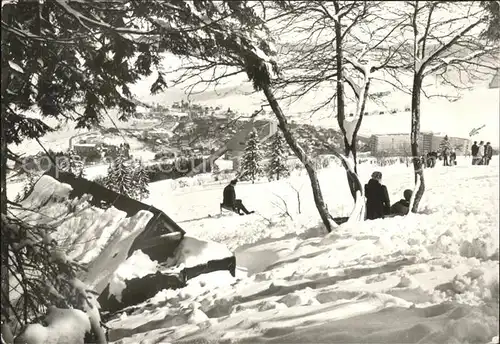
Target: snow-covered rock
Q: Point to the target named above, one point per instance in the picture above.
(136, 266)
(63, 326)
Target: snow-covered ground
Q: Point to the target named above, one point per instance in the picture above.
(425, 278)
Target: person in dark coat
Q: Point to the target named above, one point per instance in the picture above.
(431, 159)
(377, 198)
(445, 153)
(453, 158)
(480, 154)
(230, 201)
(473, 151)
(488, 153)
(402, 207)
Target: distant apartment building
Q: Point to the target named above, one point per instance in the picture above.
(85, 148)
(398, 144)
(236, 146)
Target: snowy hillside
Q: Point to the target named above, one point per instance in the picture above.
(428, 278)
(440, 115)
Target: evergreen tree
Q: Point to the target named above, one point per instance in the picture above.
(445, 145)
(277, 165)
(127, 178)
(140, 181)
(251, 161)
(120, 176)
(72, 163)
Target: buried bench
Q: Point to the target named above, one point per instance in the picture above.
(192, 257)
(180, 257)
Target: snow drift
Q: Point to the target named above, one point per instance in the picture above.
(102, 229)
(430, 277)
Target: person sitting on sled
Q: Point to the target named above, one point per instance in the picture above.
(402, 207)
(230, 201)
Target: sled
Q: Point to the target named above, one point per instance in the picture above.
(227, 208)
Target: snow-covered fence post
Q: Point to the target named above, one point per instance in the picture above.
(297, 193)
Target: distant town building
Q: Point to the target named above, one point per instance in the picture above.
(398, 144)
(84, 148)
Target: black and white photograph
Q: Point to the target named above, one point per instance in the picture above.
(261, 171)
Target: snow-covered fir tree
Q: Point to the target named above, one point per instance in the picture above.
(120, 176)
(128, 178)
(277, 167)
(445, 145)
(252, 158)
(71, 162)
(140, 181)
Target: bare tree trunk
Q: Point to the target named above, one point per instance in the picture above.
(341, 101)
(415, 133)
(299, 152)
(354, 184)
(349, 148)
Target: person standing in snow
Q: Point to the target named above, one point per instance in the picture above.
(402, 207)
(230, 201)
(377, 198)
(474, 149)
(444, 154)
(453, 158)
(445, 148)
(480, 153)
(488, 153)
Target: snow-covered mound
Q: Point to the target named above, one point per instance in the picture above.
(63, 326)
(136, 266)
(193, 251)
(430, 277)
(83, 230)
(102, 238)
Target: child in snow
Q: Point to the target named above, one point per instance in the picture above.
(402, 207)
(377, 198)
(230, 201)
(453, 158)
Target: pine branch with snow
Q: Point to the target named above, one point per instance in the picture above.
(42, 274)
(252, 158)
(129, 178)
(277, 167)
(28, 185)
